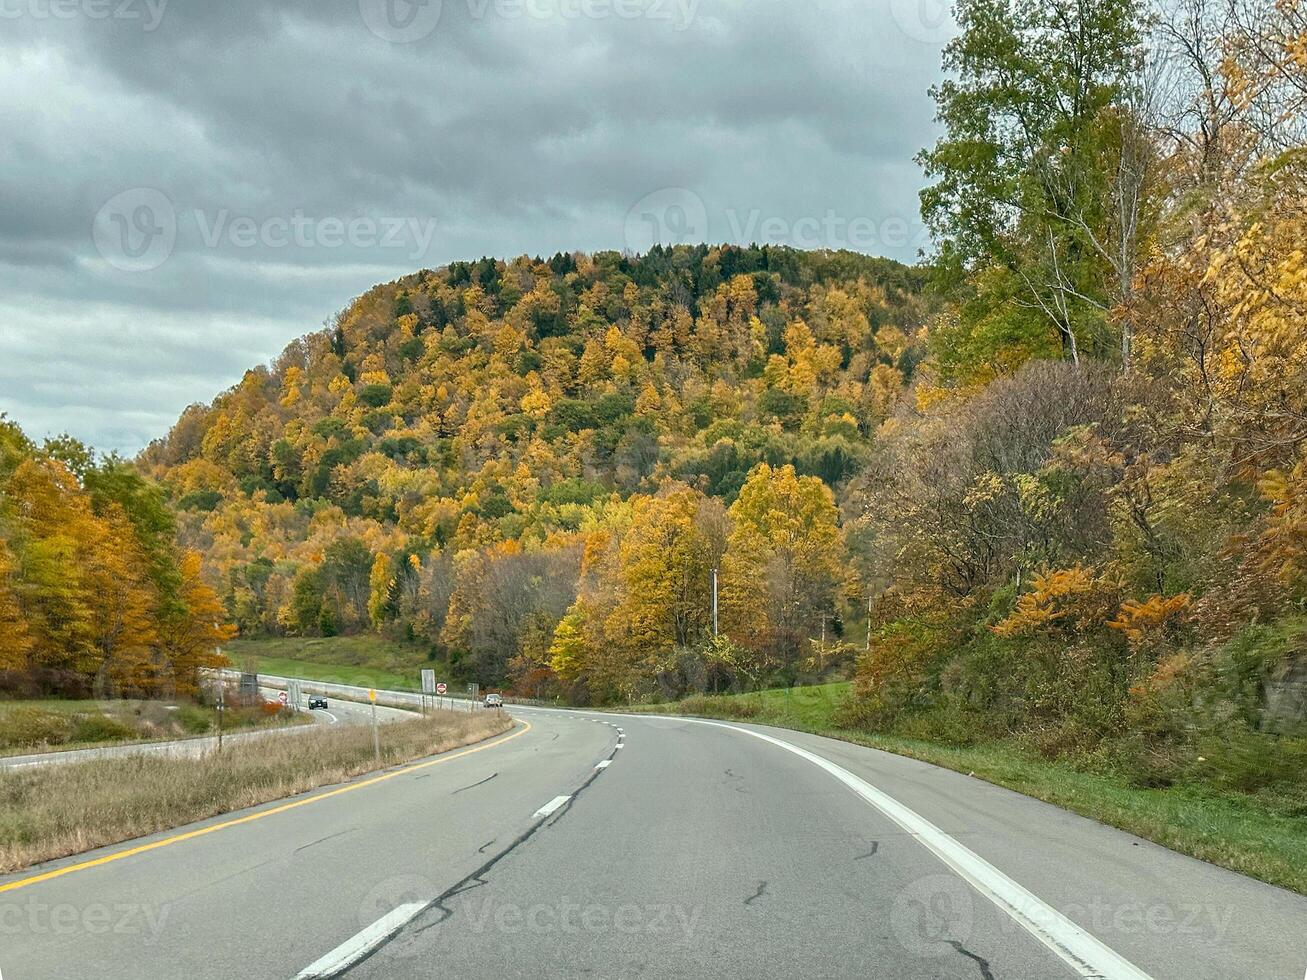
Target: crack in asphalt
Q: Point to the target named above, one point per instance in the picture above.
(340, 833)
(762, 888)
(474, 880)
(475, 785)
(980, 961)
(482, 848)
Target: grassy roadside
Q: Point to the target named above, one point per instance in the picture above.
(363, 661)
(1235, 831)
(50, 812)
(28, 727)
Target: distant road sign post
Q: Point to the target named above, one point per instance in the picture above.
(376, 738)
(428, 686)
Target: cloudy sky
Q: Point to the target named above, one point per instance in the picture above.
(187, 185)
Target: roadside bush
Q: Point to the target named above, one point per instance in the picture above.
(194, 720)
(99, 728)
(30, 727)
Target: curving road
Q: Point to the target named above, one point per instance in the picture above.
(340, 712)
(587, 845)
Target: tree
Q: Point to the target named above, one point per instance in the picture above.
(15, 643)
(666, 559)
(193, 642)
(783, 562)
(381, 584)
(1039, 175)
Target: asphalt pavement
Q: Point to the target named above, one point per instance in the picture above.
(593, 845)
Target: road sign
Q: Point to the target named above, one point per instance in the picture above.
(372, 696)
(441, 689)
(428, 681)
(283, 697)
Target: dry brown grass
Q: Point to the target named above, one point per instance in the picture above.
(50, 812)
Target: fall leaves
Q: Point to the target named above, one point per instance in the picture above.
(94, 595)
(642, 621)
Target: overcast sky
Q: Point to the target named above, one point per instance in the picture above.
(187, 185)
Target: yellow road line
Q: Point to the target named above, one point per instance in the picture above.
(250, 818)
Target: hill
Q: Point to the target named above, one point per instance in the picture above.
(435, 462)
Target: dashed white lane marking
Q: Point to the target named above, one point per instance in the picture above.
(352, 950)
(605, 764)
(550, 807)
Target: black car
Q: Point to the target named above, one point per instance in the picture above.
(318, 703)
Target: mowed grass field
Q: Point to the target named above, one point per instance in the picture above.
(1236, 831)
(363, 661)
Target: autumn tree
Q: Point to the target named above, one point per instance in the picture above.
(782, 566)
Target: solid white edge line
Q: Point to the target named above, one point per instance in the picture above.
(550, 807)
(605, 764)
(354, 949)
(1082, 951)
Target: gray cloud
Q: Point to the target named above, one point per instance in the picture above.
(509, 126)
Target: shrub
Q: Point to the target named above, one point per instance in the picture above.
(23, 727)
(100, 728)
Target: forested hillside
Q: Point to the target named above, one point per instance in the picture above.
(474, 454)
(1057, 479)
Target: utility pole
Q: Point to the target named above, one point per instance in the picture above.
(222, 703)
(714, 603)
(376, 738)
(869, 624)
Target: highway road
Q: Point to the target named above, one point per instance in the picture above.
(590, 845)
(339, 712)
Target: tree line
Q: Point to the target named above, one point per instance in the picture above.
(95, 596)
